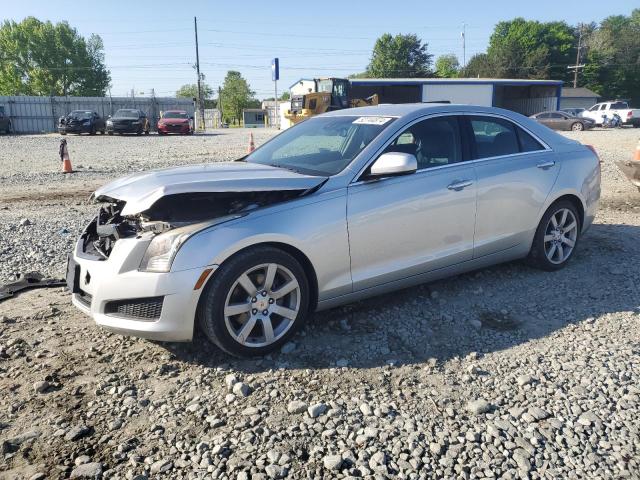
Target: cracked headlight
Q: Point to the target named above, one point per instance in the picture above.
(163, 248)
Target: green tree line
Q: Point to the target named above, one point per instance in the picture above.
(42, 58)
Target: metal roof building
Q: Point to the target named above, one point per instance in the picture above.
(578, 98)
(520, 95)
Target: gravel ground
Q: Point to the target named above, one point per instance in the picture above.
(507, 372)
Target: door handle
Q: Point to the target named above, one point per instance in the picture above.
(457, 186)
(545, 165)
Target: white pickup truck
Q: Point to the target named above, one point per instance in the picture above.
(628, 115)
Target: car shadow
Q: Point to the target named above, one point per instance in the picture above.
(483, 311)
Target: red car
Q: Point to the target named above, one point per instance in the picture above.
(175, 121)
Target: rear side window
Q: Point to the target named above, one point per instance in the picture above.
(619, 106)
(496, 137)
(527, 142)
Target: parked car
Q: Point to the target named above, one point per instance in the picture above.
(340, 207)
(175, 121)
(629, 116)
(81, 121)
(5, 121)
(128, 120)
(563, 121)
(574, 112)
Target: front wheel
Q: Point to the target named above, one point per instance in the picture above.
(556, 237)
(255, 302)
(577, 127)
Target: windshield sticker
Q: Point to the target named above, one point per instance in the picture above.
(371, 120)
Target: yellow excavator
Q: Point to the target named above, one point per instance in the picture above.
(327, 94)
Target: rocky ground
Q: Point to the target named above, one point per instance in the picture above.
(507, 372)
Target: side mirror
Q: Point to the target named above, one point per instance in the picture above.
(394, 163)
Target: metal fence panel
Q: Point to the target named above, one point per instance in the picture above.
(31, 114)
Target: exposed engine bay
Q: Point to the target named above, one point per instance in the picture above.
(170, 212)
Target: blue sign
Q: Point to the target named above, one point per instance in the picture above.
(275, 69)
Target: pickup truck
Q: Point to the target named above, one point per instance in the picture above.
(628, 115)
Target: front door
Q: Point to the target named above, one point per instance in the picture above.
(407, 225)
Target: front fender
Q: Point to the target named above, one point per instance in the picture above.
(317, 228)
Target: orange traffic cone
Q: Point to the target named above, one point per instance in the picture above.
(252, 145)
(636, 156)
(64, 156)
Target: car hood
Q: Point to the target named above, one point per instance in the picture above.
(141, 190)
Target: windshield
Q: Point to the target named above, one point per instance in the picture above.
(322, 145)
(175, 115)
(80, 114)
(126, 114)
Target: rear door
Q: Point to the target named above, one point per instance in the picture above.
(515, 172)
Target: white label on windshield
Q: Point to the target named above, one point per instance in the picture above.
(372, 120)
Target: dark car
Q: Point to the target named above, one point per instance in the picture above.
(563, 121)
(81, 121)
(175, 121)
(5, 122)
(128, 120)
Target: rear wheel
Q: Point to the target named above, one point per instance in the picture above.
(255, 302)
(557, 237)
(577, 127)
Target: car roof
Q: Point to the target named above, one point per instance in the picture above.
(417, 109)
(407, 112)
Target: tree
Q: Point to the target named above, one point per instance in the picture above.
(447, 66)
(612, 60)
(479, 66)
(190, 90)
(285, 96)
(40, 58)
(522, 48)
(399, 56)
(235, 96)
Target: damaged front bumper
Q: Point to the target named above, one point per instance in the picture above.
(631, 168)
(122, 299)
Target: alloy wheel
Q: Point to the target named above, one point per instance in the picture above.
(560, 236)
(577, 127)
(262, 305)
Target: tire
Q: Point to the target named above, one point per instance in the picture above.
(63, 133)
(224, 287)
(577, 127)
(102, 132)
(543, 255)
(110, 133)
(92, 131)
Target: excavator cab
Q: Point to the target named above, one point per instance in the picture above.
(339, 90)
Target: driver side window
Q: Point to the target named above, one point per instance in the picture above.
(434, 142)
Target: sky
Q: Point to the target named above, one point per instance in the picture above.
(150, 44)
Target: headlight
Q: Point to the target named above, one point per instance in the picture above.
(109, 122)
(135, 123)
(163, 248)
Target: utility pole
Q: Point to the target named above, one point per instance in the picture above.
(464, 45)
(200, 102)
(577, 66)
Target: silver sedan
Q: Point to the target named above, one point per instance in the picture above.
(340, 207)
